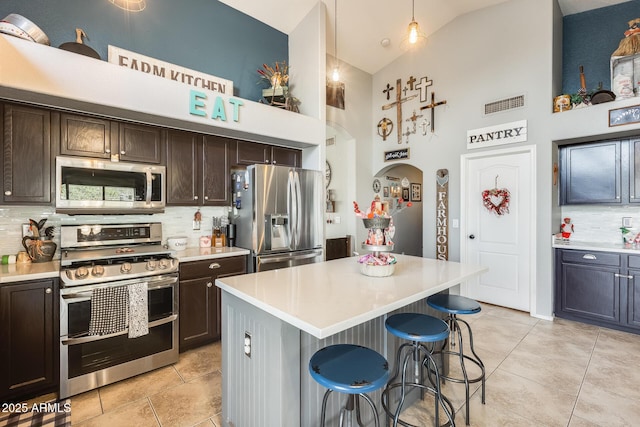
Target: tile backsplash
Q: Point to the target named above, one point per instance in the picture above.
(593, 223)
(176, 221)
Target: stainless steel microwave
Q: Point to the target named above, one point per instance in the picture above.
(95, 186)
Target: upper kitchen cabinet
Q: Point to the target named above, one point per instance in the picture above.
(198, 169)
(591, 173)
(26, 168)
(97, 137)
(634, 170)
(249, 153)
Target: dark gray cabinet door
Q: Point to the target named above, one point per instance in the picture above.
(182, 173)
(633, 299)
(139, 143)
(590, 291)
(216, 175)
(85, 136)
(634, 171)
(26, 167)
(591, 173)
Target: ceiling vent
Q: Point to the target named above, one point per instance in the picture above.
(331, 141)
(504, 105)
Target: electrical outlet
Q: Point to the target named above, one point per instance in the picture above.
(247, 344)
(626, 221)
(26, 231)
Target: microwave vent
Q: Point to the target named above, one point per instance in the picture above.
(504, 104)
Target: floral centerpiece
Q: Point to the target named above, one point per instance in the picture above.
(276, 75)
(277, 93)
(379, 221)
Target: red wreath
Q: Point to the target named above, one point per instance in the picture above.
(496, 200)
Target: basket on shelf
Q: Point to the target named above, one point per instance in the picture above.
(377, 222)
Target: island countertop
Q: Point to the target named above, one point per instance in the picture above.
(325, 298)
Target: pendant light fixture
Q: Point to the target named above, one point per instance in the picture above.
(414, 36)
(335, 75)
(130, 5)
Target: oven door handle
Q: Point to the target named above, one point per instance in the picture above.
(86, 295)
(90, 338)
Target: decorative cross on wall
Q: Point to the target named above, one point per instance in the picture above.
(388, 90)
(433, 106)
(398, 104)
(422, 87)
(411, 81)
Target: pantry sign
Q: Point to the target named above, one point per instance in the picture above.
(166, 70)
(506, 133)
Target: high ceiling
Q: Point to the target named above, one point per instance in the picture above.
(363, 24)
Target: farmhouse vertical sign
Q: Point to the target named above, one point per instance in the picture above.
(442, 214)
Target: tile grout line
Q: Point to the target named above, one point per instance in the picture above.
(155, 414)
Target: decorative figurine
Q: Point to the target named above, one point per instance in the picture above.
(566, 228)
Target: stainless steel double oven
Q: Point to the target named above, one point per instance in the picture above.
(97, 256)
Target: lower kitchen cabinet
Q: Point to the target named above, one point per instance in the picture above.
(29, 333)
(601, 288)
(200, 299)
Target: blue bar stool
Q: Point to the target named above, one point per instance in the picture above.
(349, 369)
(418, 329)
(454, 305)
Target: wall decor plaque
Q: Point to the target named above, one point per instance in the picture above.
(396, 154)
(624, 116)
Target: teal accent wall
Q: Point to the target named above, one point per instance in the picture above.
(203, 35)
(589, 39)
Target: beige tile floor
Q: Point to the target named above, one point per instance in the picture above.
(539, 373)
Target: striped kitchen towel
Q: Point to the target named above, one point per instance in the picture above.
(108, 310)
(138, 310)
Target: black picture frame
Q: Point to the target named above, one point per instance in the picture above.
(385, 191)
(416, 192)
(405, 194)
(624, 116)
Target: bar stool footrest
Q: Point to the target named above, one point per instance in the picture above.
(431, 390)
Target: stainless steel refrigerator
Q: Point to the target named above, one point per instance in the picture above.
(279, 215)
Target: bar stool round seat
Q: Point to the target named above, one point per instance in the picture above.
(453, 305)
(350, 369)
(418, 329)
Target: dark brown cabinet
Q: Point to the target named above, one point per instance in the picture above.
(29, 334)
(198, 169)
(26, 165)
(601, 288)
(249, 153)
(97, 137)
(200, 299)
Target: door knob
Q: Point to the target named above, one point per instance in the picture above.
(471, 236)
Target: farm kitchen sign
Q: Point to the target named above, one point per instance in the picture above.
(506, 133)
(155, 67)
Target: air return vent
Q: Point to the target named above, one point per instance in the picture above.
(504, 104)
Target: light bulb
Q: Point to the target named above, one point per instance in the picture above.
(413, 32)
(335, 76)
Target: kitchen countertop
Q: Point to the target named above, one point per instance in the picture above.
(594, 246)
(328, 297)
(29, 271)
(197, 254)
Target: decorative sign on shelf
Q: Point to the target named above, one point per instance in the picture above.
(624, 116)
(396, 154)
(442, 214)
(506, 133)
(166, 70)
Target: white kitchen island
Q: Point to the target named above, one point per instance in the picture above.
(286, 315)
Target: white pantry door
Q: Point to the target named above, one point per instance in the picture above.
(504, 243)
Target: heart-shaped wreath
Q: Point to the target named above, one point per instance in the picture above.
(496, 200)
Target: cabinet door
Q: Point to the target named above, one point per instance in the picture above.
(216, 176)
(286, 157)
(182, 170)
(85, 136)
(590, 291)
(139, 143)
(250, 153)
(198, 312)
(29, 335)
(634, 171)
(591, 173)
(26, 168)
(633, 299)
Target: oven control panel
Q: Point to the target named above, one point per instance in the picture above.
(89, 274)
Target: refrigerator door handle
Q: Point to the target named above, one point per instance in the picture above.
(290, 210)
(298, 201)
(274, 259)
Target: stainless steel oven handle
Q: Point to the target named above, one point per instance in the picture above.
(83, 340)
(86, 294)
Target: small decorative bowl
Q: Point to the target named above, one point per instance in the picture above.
(377, 270)
(378, 222)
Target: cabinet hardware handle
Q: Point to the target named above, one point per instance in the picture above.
(206, 197)
(623, 276)
(123, 152)
(274, 162)
(108, 150)
(48, 290)
(209, 284)
(266, 161)
(589, 256)
(195, 197)
(214, 265)
(7, 193)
